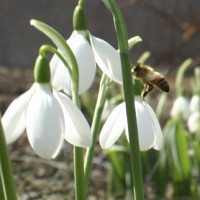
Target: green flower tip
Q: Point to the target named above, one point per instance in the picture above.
(42, 70)
(79, 19)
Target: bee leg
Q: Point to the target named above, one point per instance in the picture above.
(146, 90)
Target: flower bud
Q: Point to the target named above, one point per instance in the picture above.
(79, 19)
(42, 70)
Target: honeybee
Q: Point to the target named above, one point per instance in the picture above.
(150, 78)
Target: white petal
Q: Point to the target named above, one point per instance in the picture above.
(158, 137)
(13, 120)
(60, 77)
(107, 58)
(145, 125)
(195, 104)
(83, 53)
(77, 129)
(180, 107)
(194, 122)
(85, 59)
(113, 127)
(45, 122)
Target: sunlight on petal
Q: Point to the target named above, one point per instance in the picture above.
(77, 129)
(45, 123)
(145, 125)
(181, 107)
(13, 120)
(85, 59)
(60, 77)
(194, 122)
(158, 137)
(113, 127)
(107, 58)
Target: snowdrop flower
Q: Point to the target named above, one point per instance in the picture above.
(195, 104)
(194, 122)
(180, 107)
(88, 51)
(48, 116)
(149, 131)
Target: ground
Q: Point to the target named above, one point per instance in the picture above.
(41, 179)
(37, 178)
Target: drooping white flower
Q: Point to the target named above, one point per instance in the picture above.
(180, 107)
(49, 117)
(61, 79)
(99, 51)
(149, 131)
(194, 122)
(195, 104)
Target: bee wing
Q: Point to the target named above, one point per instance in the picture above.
(163, 71)
(152, 76)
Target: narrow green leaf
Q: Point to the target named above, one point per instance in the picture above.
(133, 41)
(183, 149)
(117, 155)
(7, 181)
(180, 76)
(56, 38)
(143, 58)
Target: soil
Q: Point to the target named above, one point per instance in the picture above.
(41, 179)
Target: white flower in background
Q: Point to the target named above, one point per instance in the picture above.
(49, 117)
(195, 104)
(149, 131)
(180, 107)
(106, 57)
(194, 122)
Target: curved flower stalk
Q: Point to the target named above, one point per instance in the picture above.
(48, 116)
(149, 131)
(88, 51)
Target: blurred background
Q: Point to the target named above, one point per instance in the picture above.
(170, 29)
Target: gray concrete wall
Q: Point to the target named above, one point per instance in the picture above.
(170, 28)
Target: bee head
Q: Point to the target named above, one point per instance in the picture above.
(135, 68)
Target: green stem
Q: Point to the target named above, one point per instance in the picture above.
(44, 48)
(80, 186)
(143, 58)
(133, 41)
(180, 76)
(129, 99)
(80, 3)
(104, 85)
(5, 170)
(61, 44)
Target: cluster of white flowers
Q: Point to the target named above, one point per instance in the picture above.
(189, 110)
(50, 116)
